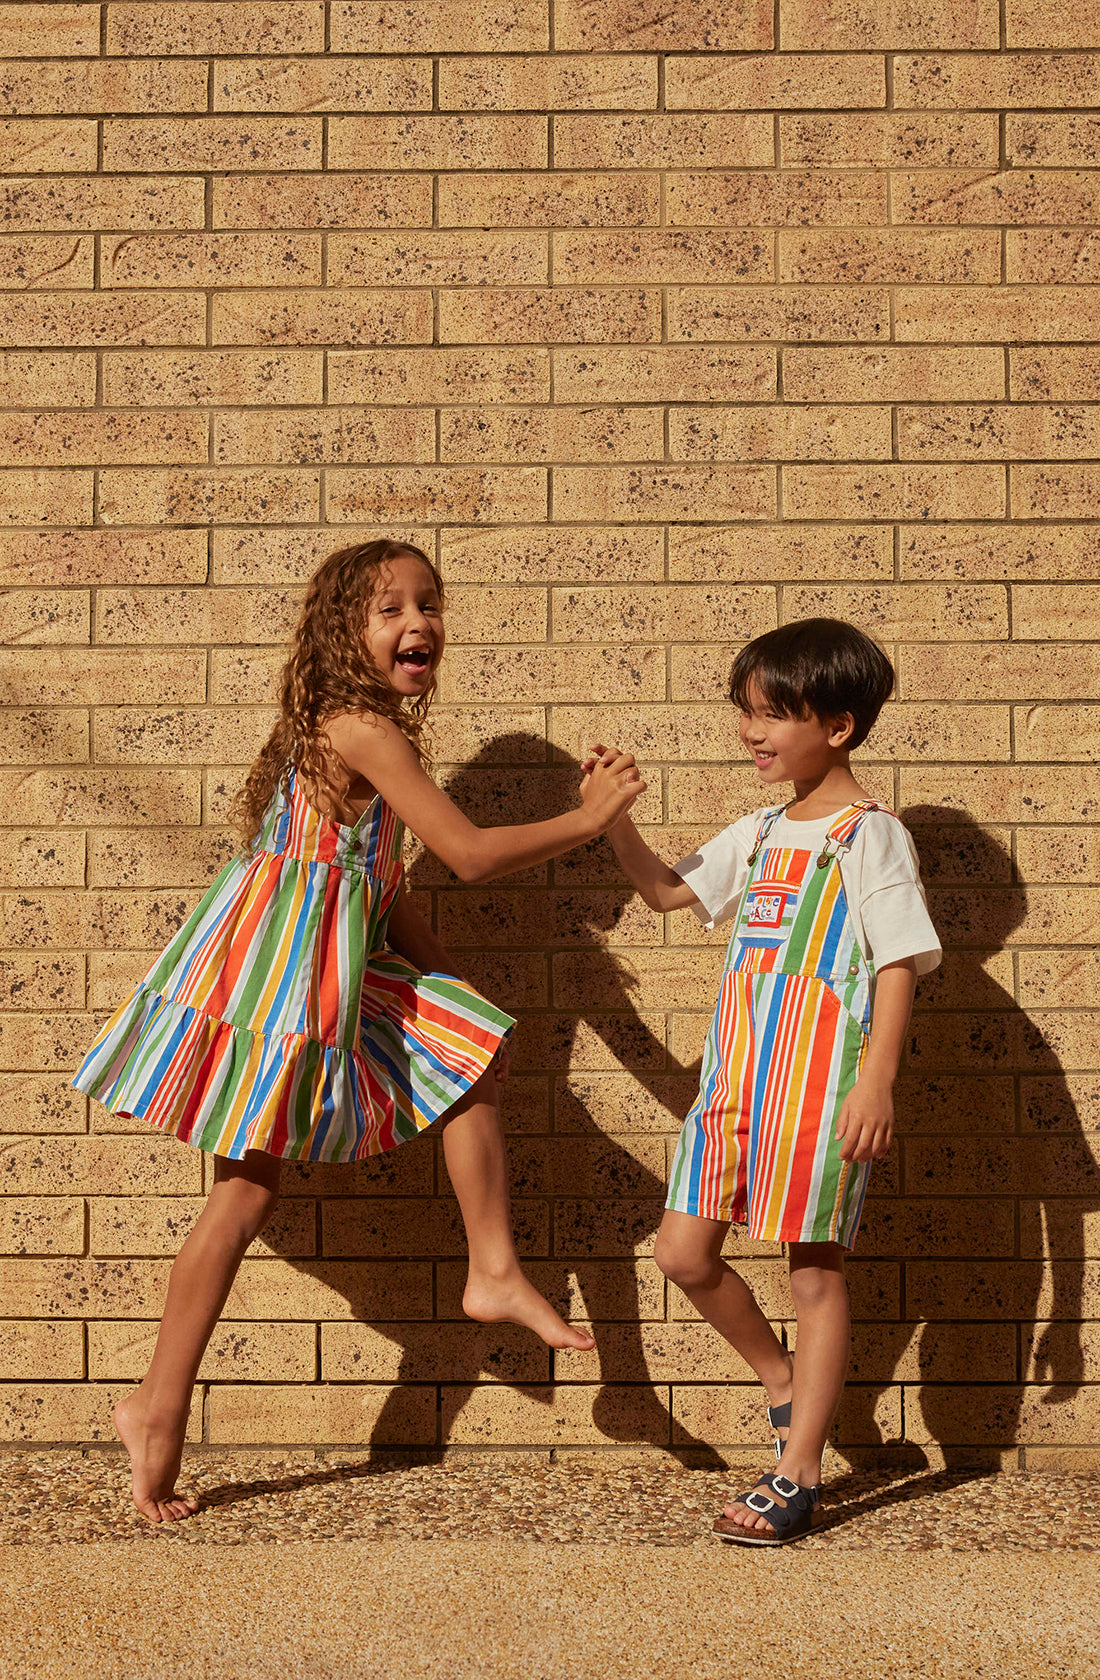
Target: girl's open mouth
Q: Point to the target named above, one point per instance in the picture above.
(414, 659)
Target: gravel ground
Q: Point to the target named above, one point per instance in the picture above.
(52, 1498)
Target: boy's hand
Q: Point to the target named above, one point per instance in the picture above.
(866, 1121)
(610, 784)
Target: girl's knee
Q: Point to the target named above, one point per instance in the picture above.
(247, 1195)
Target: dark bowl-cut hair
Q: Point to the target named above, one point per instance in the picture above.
(820, 665)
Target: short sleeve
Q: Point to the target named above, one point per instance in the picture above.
(892, 907)
(717, 872)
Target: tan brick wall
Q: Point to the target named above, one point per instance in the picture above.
(658, 324)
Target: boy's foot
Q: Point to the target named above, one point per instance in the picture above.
(514, 1300)
(778, 1397)
(740, 1513)
(155, 1449)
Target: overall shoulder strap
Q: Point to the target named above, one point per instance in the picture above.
(767, 823)
(847, 825)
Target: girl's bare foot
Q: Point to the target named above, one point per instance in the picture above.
(155, 1448)
(514, 1300)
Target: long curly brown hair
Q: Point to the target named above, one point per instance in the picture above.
(330, 672)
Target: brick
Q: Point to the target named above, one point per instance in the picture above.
(57, 380)
(1049, 256)
(1055, 374)
(41, 1352)
(547, 555)
(339, 317)
(136, 735)
(152, 1225)
(211, 259)
(998, 80)
(1006, 795)
(437, 142)
(722, 140)
(714, 25)
(317, 201)
(889, 24)
(174, 143)
(671, 373)
(427, 1228)
(50, 737)
(93, 203)
(982, 980)
(455, 258)
(41, 146)
(326, 84)
(44, 618)
(478, 614)
(93, 919)
(909, 612)
(1058, 854)
(40, 1103)
(45, 498)
(400, 1172)
(88, 1166)
(557, 315)
(1000, 671)
(779, 434)
(206, 496)
(1054, 1348)
(724, 313)
(1042, 916)
(431, 1353)
(662, 255)
(1066, 734)
(892, 256)
(944, 1353)
(998, 313)
(1065, 141)
(183, 615)
(1014, 196)
(1030, 24)
(455, 494)
(87, 676)
(550, 199)
(512, 917)
(435, 26)
(711, 796)
(136, 318)
(893, 374)
(520, 435)
(556, 675)
(775, 81)
(256, 1414)
(334, 1289)
(998, 433)
(1001, 552)
(113, 975)
(324, 435)
(27, 30)
(789, 198)
(81, 439)
(92, 557)
(204, 26)
(100, 86)
(235, 1353)
(893, 492)
(552, 1416)
(611, 1101)
(1054, 493)
(426, 376)
(272, 556)
(1004, 1289)
(654, 1353)
(891, 140)
(662, 979)
(662, 493)
(42, 1225)
(904, 733)
(548, 83)
(34, 859)
(1059, 979)
(212, 378)
(91, 798)
(69, 1412)
(658, 615)
(491, 734)
(703, 733)
(779, 553)
(245, 676)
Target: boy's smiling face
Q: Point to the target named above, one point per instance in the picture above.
(791, 749)
(404, 634)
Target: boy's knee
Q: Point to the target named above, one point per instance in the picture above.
(688, 1268)
(813, 1286)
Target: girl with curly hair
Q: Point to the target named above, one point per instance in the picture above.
(305, 1011)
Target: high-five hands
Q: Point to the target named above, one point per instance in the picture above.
(611, 782)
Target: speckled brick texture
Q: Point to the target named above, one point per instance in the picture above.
(657, 324)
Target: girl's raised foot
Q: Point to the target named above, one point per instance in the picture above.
(156, 1450)
(514, 1300)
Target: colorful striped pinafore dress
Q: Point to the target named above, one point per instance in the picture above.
(783, 1052)
(278, 1018)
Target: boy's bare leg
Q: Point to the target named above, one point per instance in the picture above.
(152, 1421)
(689, 1252)
(496, 1288)
(820, 1295)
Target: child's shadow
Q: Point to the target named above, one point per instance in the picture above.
(586, 1208)
(997, 1176)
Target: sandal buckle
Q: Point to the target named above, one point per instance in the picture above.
(757, 1502)
(784, 1485)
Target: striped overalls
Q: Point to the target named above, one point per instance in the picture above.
(783, 1052)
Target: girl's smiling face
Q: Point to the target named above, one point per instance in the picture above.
(790, 749)
(404, 633)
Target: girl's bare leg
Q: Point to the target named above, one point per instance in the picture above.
(152, 1421)
(496, 1288)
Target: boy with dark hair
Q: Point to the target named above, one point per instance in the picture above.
(830, 930)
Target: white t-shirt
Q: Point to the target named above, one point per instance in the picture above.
(879, 871)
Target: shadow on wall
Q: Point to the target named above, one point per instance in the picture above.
(997, 1177)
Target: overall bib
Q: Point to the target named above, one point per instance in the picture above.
(783, 1051)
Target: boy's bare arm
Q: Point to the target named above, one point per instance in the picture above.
(661, 887)
(866, 1121)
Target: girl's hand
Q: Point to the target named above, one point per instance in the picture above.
(610, 785)
(866, 1121)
